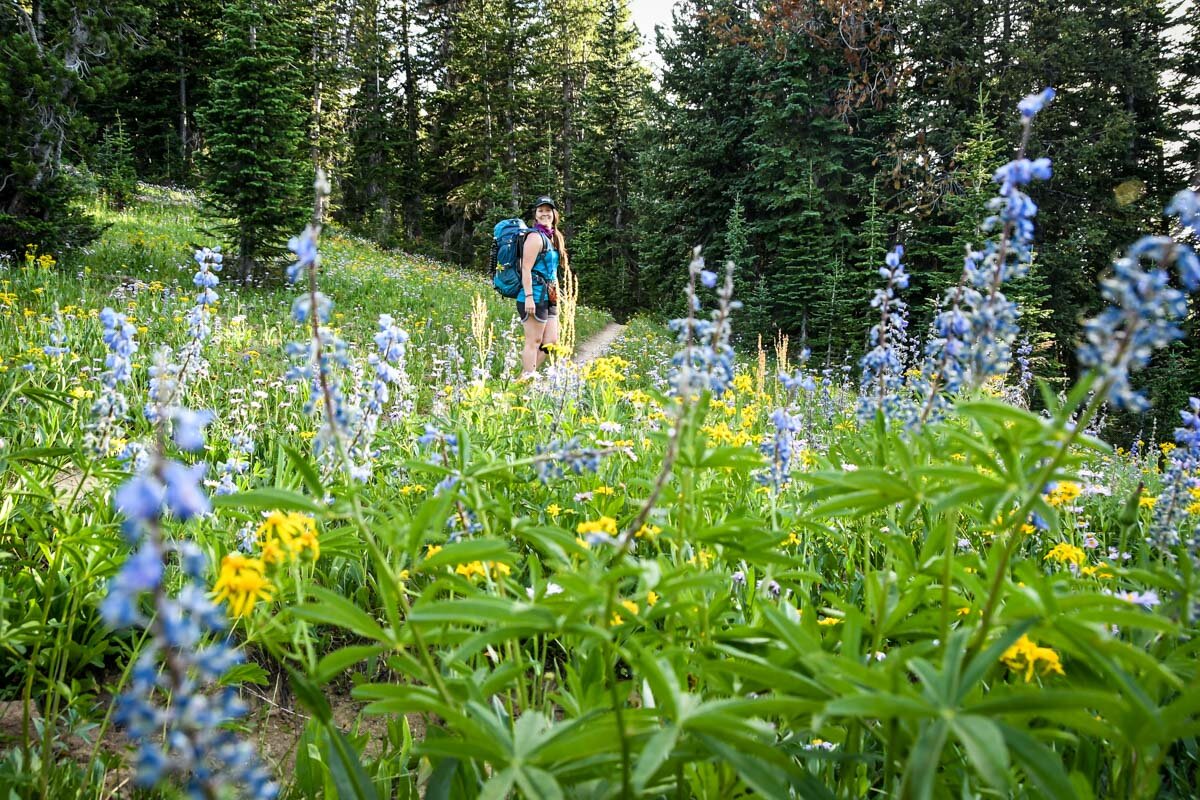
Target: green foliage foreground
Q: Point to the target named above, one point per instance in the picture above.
(883, 622)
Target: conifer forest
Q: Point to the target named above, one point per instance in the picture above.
(843, 440)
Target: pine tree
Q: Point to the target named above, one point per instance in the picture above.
(696, 159)
(51, 56)
(256, 164)
(114, 165)
(610, 114)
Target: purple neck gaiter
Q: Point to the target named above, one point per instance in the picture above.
(548, 231)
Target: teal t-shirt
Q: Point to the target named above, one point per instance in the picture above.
(547, 267)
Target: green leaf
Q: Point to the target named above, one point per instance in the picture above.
(308, 473)
(879, 705)
(269, 499)
(467, 551)
(985, 748)
(538, 784)
(759, 776)
(346, 767)
(1042, 765)
(654, 753)
(333, 609)
(310, 696)
(335, 663)
(922, 768)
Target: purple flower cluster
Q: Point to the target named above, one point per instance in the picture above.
(111, 407)
(883, 366)
(1170, 511)
(777, 447)
(558, 457)
(179, 725)
(705, 361)
(1144, 310)
(973, 334)
(58, 337)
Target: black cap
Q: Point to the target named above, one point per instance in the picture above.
(546, 200)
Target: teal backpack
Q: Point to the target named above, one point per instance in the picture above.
(508, 241)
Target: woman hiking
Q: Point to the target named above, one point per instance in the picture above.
(537, 302)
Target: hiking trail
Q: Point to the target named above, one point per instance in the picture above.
(595, 346)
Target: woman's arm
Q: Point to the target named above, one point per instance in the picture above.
(529, 257)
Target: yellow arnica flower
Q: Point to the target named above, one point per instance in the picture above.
(1063, 494)
(1147, 502)
(1063, 552)
(242, 583)
(647, 530)
(829, 621)
(288, 536)
(482, 569)
(1026, 657)
(632, 606)
(652, 598)
(603, 525)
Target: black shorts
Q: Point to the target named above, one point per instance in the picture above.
(542, 312)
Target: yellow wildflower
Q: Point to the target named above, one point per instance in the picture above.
(1147, 502)
(608, 490)
(648, 530)
(1063, 494)
(554, 509)
(603, 525)
(242, 583)
(652, 598)
(632, 606)
(964, 611)
(1026, 657)
(1063, 552)
(827, 621)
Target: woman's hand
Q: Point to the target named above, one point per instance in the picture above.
(530, 306)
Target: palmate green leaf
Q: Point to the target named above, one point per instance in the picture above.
(499, 785)
(762, 777)
(333, 609)
(269, 499)
(535, 782)
(985, 747)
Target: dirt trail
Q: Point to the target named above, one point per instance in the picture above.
(595, 346)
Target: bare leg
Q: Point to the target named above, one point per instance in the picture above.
(533, 340)
(549, 336)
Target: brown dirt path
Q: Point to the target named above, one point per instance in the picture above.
(595, 346)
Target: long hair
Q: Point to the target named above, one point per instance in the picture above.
(560, 243)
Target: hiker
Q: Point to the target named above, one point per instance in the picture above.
(537, 302)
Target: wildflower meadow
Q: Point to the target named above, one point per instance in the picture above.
(318, 540)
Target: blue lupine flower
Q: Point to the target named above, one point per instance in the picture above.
(778, 450)
(705, 362)
(307, 255)
(1143, 315)
(882, 366)
(568, 455)
(973, 335)
(1034, 103)
(1179, 478)
(58, 337)
(184, 496)
(188, 428)
(140, 498)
